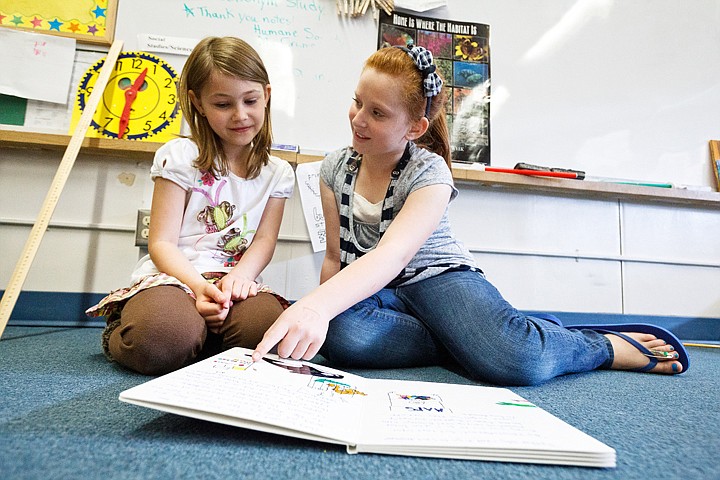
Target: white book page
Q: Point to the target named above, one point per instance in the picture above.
(305, 400)
(297, 396)
(459, 417)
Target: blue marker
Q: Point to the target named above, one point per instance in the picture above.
(287, 148)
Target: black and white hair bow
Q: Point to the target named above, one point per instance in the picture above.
(432, 83)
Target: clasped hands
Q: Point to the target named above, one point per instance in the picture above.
(299, 332)
(213, 302)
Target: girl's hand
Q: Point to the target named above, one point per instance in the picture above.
(301, 332)
(237, 287)
(213, 305)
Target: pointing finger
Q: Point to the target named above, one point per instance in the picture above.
(271, 338)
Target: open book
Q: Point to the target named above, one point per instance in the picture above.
(306, 400)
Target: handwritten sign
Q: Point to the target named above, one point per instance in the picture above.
(308, 178)
(29, 59)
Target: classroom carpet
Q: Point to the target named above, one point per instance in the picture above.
(60, 418)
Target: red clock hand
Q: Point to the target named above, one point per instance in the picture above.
(130, 96)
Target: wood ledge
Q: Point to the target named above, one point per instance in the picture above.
(522, 183)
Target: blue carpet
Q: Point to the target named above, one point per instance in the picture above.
(60, 419)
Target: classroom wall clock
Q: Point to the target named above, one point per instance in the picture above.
(139, 102)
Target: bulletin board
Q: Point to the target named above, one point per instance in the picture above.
(89, 21)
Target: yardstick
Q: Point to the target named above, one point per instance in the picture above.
(56, 187)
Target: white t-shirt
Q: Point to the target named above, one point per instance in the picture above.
(221, 215)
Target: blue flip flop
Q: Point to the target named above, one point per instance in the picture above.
(659, 332)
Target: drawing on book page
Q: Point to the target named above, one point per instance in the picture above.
(333, 388)
(302, 368)
(417, 403)
(223, 362)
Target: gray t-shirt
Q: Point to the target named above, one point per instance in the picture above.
(440, 252)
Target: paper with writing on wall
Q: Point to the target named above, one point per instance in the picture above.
(308, 178)
(55, 117)
(149, 42)
(305, 400)
(29, 59)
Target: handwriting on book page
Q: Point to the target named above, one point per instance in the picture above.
(461, 416)
(475, 429)
(263, 393)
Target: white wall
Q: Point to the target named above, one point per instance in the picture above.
(573, 254)
(544, 252)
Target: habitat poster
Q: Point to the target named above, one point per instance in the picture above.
(462, 53)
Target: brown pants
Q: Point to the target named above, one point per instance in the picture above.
(161, 330)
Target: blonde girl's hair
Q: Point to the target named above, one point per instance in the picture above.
(229, 56)
(398, 64)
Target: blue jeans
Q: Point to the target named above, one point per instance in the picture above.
(461, 317)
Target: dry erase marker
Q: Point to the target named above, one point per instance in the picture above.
(580, 175)
(286, 148)
(532, 173)
(637, 183)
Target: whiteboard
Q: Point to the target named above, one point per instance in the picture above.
(313, 56)
(616, 88)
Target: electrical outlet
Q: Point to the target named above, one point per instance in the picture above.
(142, 228)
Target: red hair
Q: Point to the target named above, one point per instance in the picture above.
(397, 63)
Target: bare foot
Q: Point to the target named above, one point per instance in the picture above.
(627, 357)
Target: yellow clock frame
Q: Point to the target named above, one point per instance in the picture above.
(155, 113)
